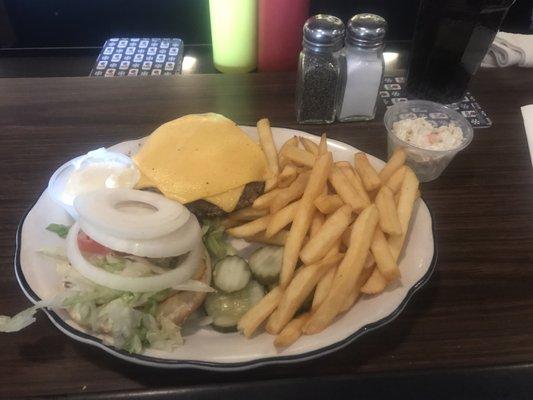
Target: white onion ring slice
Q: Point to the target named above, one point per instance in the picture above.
(170, 245)
(99, 208)
(176, 276)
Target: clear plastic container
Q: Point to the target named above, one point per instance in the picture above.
(427, 164)
(59, 182)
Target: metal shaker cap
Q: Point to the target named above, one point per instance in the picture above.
(366, 30)
(323, 33)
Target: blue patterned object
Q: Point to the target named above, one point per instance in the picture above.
(393, 91)
(139, 57)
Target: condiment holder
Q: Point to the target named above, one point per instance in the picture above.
(336, 81)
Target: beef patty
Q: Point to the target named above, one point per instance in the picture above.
(204, 209)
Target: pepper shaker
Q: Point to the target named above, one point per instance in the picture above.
(319, 70)
(362, 68)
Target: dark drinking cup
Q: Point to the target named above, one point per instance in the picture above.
(451, 38)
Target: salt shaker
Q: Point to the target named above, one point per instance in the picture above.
(319, 70)
(361, 68)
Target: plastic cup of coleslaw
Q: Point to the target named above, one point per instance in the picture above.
(427, 160)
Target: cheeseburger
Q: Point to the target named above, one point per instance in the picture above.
(204, 161)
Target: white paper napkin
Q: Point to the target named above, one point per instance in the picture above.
(510, 49)
(527, 114)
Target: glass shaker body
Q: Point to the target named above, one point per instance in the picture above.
(361, 76)
(317, 86)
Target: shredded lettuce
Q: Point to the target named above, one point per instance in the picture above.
(26, 317)
(19, 321)
(125, 265)
(166, 336)
(112, 263)
(59, 229)
(129, 318)
(57, 253)
(215, 240)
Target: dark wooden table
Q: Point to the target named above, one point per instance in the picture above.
(472, 324)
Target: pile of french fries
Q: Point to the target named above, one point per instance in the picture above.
(343, 228)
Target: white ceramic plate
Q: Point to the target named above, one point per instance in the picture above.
(205, 348)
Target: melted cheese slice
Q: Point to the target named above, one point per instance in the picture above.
(227, 201)
(144, 182)
(203, 156)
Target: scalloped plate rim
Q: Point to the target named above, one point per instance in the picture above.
(140, 359)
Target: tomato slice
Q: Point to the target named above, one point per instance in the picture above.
(88, 245)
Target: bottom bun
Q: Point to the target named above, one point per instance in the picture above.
(179, 306)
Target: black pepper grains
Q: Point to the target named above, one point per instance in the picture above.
(318, 70)
(319, 90)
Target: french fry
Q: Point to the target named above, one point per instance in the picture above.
(396, 161)
(293, 141)
(287, 176)
(384, 259)
(335, 248)
(375, 284)
(289, 194)
(304, 214)
(259, 312)
(292, 332)
(263, 202)
(351, 299)
(282, 160)
(357, 184)
(354, 294)
(271, 324)
(278, 239)
(388, 215)
(367, 173)
(332, 229)
(346, 191)
(328, 203)
(269, 148)
(408, 195)
(397, 196)
(316, 223)
(395, 181)
(345, 238)
(271, 183)
(281, 219)
(250, 228)
(300, 157)
(299, 288)
(322, 288)
(343, 164)
(247, 214)
(323, 145)
(348, 271)
(369, 263)
(309, 145)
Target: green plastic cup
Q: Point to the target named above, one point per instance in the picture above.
(234, 35)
